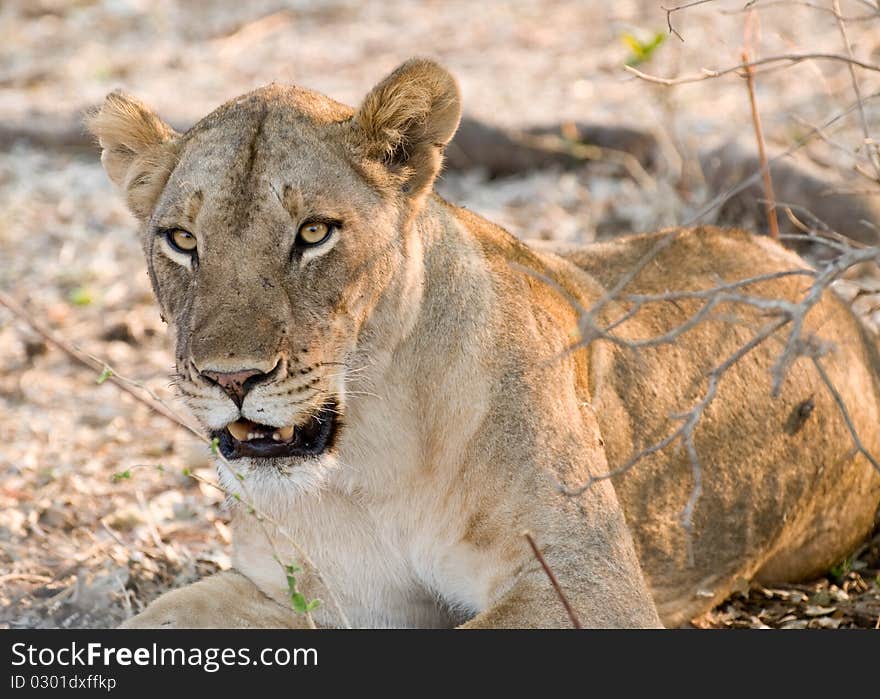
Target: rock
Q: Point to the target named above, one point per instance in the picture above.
(504, 152)
(807, 188)
(120, 332)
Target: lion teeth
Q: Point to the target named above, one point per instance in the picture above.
(238, 430)
(246, 431)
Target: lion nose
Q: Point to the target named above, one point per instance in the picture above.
(236, 384)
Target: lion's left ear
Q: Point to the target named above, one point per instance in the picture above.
(407, 119)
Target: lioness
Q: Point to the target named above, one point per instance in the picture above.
(389, 376)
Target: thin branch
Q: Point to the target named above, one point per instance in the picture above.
(688, 419)
(146, 397)
(870, 145)
(791, 59)
(786, 3)
(670, 10)
(786, 312)
(575, 621)
(762, 151)
(721, 198)
(796, 346)
(97, 366)
(860, 447)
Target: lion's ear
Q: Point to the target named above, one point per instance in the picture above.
(138, 149)
(408, 118)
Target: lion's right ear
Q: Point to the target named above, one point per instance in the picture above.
(138, 149)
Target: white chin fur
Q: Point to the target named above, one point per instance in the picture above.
(214, 417)
(271, 488)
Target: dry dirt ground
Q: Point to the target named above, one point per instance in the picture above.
(96, 516)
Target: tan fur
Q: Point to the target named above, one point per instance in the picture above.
(462, 411)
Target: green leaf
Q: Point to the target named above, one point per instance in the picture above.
(298, 600)
(186, 472)
(841, 570)
(641, 51)
(632, 43)
(120, 476)
(215, 445)
(80, 296)
(106, 374)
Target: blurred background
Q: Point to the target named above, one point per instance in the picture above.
(560, 141)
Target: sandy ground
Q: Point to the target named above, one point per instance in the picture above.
(80, 548)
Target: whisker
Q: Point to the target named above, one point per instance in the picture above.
(284, 394)
(363, 393)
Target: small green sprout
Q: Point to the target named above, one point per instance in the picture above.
(297, 599)
(80, 296)
(641, 51)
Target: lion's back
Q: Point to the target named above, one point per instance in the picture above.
(783, 496)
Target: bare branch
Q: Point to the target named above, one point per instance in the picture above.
(670, 10)
(803, 3)
(724, 196)
(688, 419)
(796, 346)
(860, 447)
(575, 621)
(870, 145)
(789, 59)
(785, 313)
(143, 395)
(762, 151)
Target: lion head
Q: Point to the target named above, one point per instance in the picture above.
(279, 238)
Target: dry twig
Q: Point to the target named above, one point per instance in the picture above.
(870, 144)
(788, 59)
(143, 395)
(754, 5)
(670, 10)
(772, 221)
(575, 621)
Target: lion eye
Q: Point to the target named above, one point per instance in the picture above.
(313, 233)
(181, 240)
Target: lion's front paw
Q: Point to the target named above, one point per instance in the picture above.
(224, 601)
(186, 608)
(148, 619)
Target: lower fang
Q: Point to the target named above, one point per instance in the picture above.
(276, 436)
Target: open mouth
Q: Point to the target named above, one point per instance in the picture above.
(245, 438)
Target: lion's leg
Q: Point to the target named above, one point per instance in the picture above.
(227, 600)
(532, 603)
(588, 548)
